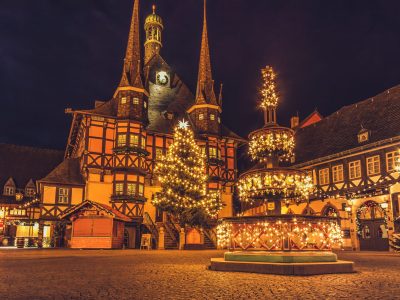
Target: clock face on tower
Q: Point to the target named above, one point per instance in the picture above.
(162, 78)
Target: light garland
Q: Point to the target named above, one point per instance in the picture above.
(268, 91)
(271, 183)
(367, 205)
(267, 142)
(280, 235)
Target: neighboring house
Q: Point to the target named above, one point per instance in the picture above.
(353, 157)
(20, 168)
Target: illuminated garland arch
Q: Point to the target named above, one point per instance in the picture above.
(364, 206)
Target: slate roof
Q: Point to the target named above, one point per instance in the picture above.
(67, 172)
(380, 115)
(113, 212)
(23, 163)
(175, 99)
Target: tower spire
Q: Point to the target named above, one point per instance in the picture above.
(131, 73)
(205, 84)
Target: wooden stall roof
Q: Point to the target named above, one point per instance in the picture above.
(98, 206)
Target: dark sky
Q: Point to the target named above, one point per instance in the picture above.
(68, 53)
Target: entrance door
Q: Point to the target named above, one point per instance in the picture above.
(374, 235)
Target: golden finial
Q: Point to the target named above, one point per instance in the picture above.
(154, 9)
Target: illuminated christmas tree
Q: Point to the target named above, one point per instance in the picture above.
(268, 91)
(183, 179)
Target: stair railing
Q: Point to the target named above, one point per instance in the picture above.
(151, 226)
(211, 234)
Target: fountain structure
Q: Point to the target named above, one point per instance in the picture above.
(272, 242)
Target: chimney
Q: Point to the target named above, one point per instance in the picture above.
(294, 122)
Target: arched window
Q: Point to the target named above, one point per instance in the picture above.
(330, 211)
(371, 210)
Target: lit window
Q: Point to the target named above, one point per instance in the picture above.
(373, 165)
(9, 190)
(201, 117)
(392, 161)
(141, 189)
(131, 189)
(203, 150)
(337, 173)
(135, 100)
(119, 189)
(143, 142)
(213, 152)
(159, 153)
(123, 100)
(63, 195)
(219, 120)
(134, 140)
(324, 176)
(145, 104)
(121, 141)
(212, 117)
(355, 169)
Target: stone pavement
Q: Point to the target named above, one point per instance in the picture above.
(134, 274)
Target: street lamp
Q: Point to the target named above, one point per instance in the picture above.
(384, 205)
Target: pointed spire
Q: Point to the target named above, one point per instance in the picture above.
(132, 55)
(220, 94)
(205, 90)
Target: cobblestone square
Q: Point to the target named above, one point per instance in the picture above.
(134, 274)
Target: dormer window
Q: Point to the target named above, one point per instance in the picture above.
(363, 136)
(135, 100)
(212, 117)
(123, 100)
(9, 190)
(30, 192)
(201, 116)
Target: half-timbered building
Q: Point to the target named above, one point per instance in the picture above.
(113, 146)
(20, 211)
(353, 157)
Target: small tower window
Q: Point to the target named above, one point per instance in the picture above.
(121, 141)
(123, 100)
(119, 188)
(135, 100)
(145, 104)
(134, 140)
(219, 120)
(201, 117)
(212, 117)
(131, 189)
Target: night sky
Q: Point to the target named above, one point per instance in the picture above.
(68, 53)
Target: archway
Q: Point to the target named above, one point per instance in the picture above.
(371, 227)
(330, 211)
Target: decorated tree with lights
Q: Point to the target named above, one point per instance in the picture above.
(183, 179)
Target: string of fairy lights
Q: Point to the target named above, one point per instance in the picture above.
(272, 143)
(280, 235)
